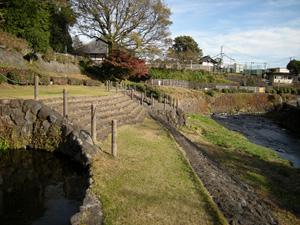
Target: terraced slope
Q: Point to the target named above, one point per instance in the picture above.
(108, 107)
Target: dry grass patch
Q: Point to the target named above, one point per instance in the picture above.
(180, 93)
(150, 181)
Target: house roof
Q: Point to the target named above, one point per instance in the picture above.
(96, 46)
(208, 59)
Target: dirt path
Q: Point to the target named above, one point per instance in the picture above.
(235, 200)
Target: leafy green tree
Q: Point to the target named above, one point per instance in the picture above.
(27, 19)
(62, 17)
(125, 24)
(294, 67)
(185, 49)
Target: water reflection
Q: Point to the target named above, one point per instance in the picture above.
(263, 131)
(37, 187)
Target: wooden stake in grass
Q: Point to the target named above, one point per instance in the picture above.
(165, 103)
(36, 84)
(65, 104)
(93, 122)
(114, 138)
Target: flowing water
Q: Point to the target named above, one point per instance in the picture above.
(263, 131)
(39, 188)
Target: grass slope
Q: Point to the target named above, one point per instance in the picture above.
(275, 181)
(150, 181)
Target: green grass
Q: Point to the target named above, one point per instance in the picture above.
(219, 135)
(150, 181)
(27, 92)
(274, 180)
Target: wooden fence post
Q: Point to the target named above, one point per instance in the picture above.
(93, 122)
(65, 104)
(36, 84)
(117, 87)
(114, 138)
(131, 94)
(142, 98)
(152, 100)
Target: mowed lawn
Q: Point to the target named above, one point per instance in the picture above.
(150, 181)
(51, 91)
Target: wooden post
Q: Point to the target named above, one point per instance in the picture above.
(65, 104)
(152, 100)
(36, 84)
(117, 87)
(131, 94)
(93, 122)
(114, 138)
(142, 98)
(170, 101)
(165, 103)
(174, 102)
(107, 89)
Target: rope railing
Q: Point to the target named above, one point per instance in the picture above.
(17, 82)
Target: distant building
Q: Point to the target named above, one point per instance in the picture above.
(280, 75)
(96, 49)
(208, 61)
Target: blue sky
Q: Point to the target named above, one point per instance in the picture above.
(257, 31)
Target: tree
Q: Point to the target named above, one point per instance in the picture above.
(42, 23)
(185, 49)
(294, 67)
(62, 17)
(122, 66)
(27, 19)
(124, 24)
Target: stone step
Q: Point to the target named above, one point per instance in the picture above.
(85, 117)
(86, 101)
(102, 107)
(103, 132)
(109, 107)
(115, 115)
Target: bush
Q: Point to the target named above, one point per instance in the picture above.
(44, 79)
(49, 55)
(12, 42)
(59, 80)
(92, 83)
(211, 93)
(74, 81)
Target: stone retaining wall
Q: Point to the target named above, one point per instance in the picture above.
(175, 117)
(29, 116)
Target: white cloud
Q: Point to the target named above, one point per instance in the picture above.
(266, 44)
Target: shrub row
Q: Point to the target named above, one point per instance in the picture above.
(284, 90)
(233, 90)
(26, 77)
(50, 55)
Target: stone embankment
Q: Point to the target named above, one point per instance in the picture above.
(30, 116)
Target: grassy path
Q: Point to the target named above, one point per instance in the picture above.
(150, 182)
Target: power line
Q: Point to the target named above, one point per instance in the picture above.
(245, 54)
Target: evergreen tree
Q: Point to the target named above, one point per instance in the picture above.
(27, 19)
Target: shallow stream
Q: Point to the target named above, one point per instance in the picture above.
(263, 131)
(39, 188)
